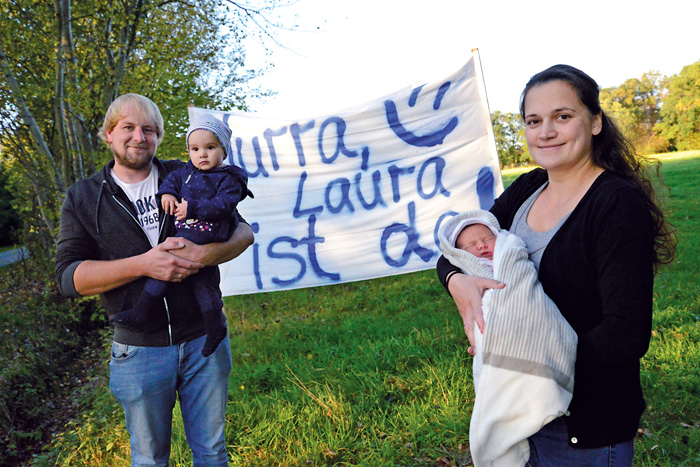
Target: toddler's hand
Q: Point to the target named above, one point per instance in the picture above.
(169, 203)
(181, 210)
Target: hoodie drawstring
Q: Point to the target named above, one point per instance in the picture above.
(97, 207)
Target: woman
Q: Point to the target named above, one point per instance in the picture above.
(594, 228)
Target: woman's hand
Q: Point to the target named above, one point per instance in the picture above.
(467, 292)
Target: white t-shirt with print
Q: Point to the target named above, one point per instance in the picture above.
(143, 197)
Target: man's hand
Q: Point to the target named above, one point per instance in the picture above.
(164, 262)
(212, 254)
(160, 262)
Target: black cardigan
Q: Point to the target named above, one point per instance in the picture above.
(598, 269)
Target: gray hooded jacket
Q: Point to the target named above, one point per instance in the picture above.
(98, 222)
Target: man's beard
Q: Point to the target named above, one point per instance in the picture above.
(133, 162)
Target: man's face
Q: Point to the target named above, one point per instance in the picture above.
(133, 140)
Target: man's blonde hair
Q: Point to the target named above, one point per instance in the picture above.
(144, 106)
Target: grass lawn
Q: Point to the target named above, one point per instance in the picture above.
(376, 373)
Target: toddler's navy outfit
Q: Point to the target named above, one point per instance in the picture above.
(212, 196)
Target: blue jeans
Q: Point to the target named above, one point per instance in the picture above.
(146, 381)
(549, 447)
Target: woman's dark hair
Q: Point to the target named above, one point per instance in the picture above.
(613, 152)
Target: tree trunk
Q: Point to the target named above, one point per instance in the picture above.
(59, 98)
(81, 142)
(127, 41)
(29, 119)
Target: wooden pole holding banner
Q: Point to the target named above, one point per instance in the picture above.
(481, 77)
(482, 89)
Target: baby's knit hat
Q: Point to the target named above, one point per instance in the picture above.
(465, 219)
(220, 129)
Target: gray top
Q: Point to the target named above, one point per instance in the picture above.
(536, 242)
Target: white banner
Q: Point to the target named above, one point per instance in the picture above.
(361, 193)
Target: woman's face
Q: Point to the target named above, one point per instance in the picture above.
(559, 129)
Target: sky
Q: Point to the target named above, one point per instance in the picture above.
(342, 53)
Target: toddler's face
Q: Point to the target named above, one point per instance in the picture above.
(478, 240)
(205, 150)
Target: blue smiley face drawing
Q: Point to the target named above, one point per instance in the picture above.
(426, 137)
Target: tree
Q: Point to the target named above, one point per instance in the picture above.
(681, 109)
(510, 139)
(8, 216)
(63, 63)
(635, 106)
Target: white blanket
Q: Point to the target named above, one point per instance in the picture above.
(524, 365)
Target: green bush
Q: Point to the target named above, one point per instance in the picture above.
(9, 220)
(42, 333)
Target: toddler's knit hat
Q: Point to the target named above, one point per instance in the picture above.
(220, 129)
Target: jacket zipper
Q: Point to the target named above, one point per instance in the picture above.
(170, 329)
(165, 301)
(136, 220)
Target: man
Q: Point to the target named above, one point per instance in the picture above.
(113, 236)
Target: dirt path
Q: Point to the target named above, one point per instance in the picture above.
(76, 380)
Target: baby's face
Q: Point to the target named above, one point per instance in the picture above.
(205, 150)
(478, 240)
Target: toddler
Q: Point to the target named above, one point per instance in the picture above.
(202, 196)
